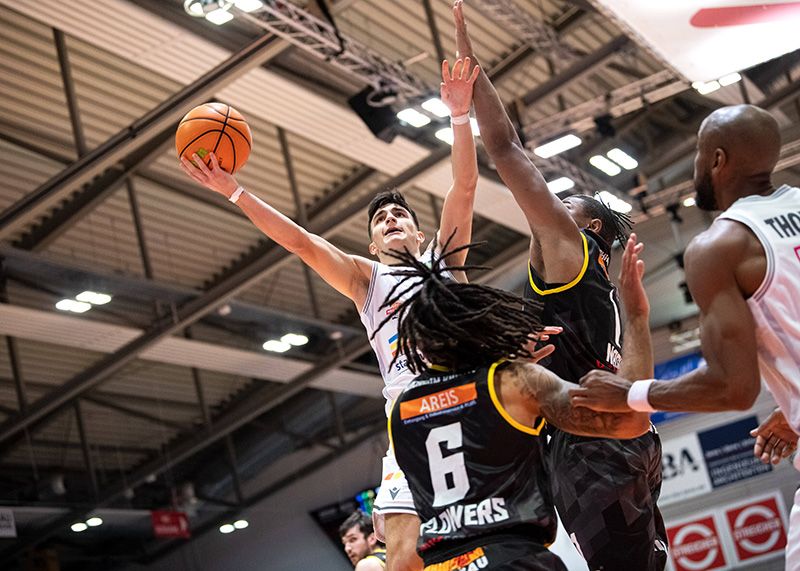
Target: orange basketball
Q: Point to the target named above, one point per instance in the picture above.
(215, 128)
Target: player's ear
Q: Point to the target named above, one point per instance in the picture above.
(372, 540)
(373, 248)
(595, 225)
(420, 237)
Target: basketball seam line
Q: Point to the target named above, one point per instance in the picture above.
(231, 125)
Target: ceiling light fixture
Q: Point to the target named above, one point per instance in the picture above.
(557, 146)
(241, 524)
(93, 297)
(73, 306)
(689, 202)
(445, 135)
(435, 106)
(560, 184)
(276, 346)
(219, 16)
(79, 527)
(729, 79)
(94, 521)
(226, 528)
(295, 339)
(413, 117)
(614, 202)
(706, 87)
(601, 163)
(622, 158)
(248, 5)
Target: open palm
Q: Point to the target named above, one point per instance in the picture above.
(456, 88)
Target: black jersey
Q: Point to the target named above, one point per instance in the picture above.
(472, 469)
(588, 310)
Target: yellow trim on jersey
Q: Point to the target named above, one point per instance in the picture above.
(381, 561)
(570, 284)
(389, 423)
(439, 368)
(503, 412)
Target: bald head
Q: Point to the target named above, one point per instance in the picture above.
(737, 149)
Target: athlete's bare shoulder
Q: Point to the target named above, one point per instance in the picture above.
(728, 246)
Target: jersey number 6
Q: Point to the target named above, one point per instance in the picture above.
(446, 492)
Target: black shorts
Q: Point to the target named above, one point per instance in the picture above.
(606, 492)
(503, 555)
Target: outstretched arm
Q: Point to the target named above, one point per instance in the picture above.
(456, 221)
(549, 220)
(730, 379)
(347, 274)
(529, 391)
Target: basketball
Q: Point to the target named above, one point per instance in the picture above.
(215, 128)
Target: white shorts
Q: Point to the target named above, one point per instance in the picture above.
(393, 497)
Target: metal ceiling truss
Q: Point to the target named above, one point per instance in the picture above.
(140, 134)
(323, 41)
(539, 35)
(618, 102)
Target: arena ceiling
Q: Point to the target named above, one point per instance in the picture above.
(167, 385)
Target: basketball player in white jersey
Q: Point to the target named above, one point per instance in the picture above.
(744, 274)
(392, 225)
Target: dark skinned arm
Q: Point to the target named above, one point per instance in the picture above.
(553, 229)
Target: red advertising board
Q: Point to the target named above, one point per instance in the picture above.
(170, 524)
(757, 528)
(695, 545)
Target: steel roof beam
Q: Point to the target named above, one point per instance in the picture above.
(139, 134)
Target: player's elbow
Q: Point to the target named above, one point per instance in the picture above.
(743, 394)
(500, 144)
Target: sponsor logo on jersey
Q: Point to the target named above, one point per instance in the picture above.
(393, 344)
(454, 517)
(469, 561)
(602, 259)
(448, 400)
(613, 356)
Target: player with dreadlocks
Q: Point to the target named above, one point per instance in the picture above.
(467, 432)
(568, 272)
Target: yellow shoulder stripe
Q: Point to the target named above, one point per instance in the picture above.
(504, 413)
(570, 284)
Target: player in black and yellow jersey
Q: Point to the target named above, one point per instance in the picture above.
(468, 431)
(605, 490)
(360, 543)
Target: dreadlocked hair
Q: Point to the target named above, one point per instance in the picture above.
(616, 225)
(458, 326)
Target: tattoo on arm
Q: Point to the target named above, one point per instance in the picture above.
(549, 394)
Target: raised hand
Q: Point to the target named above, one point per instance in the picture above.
(630, 287)
(463, 44)
(213, 177)
(456, 87)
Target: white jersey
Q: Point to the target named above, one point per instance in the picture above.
(396, 376)
(775, 220)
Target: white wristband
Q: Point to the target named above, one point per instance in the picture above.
(236, 194)
(637, 396)
(459, 119)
